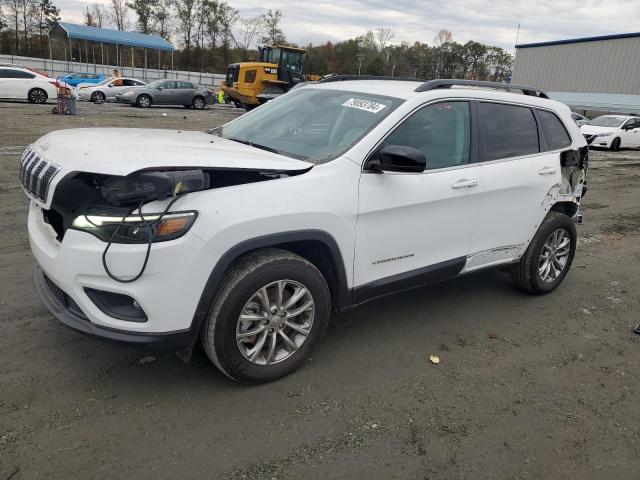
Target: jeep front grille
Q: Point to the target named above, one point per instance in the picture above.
(36, 174)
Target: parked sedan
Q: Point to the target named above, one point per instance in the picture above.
(167, 92)
(25, 84)
(75, 79)
(613, 132)
(109, 88)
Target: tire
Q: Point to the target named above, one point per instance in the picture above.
(615, 144)
(238, 294)
(143, 101)
(37, 95)
(527, 273)
(98, 97)
(198, 103)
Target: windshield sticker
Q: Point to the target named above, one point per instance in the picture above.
(366, 105)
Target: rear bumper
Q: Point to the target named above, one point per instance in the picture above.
(73, 317)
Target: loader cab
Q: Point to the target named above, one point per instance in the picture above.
(289, 61)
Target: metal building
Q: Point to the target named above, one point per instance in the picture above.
(606, 64)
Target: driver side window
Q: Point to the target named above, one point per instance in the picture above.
(441, 131)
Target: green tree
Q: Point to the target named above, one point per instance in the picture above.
(272, 32)
(145, 11)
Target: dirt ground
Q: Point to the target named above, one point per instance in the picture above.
(527, 388)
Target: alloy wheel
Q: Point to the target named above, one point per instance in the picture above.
(554, 255)
(275, 322)
(38, 96)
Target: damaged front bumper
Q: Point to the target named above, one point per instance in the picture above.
(69, 273)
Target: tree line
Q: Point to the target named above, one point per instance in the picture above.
(211, 34)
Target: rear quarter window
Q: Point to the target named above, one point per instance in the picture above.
(507, 131)
(554, 129)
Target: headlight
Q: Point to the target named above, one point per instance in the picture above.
(134, 229)
(604, 134)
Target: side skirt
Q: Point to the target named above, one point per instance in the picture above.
(408, 280)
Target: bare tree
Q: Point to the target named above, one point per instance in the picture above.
(442, 37)
(384, 35)
(119, 14)
(144, 10)
(247, 32)
(228, 17)
(98, 15)
(88, 17)
(14, 11)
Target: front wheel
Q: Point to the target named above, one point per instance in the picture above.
(548, 258)
(270, 314)
(98, 97)
(615, 145)
(143, 101)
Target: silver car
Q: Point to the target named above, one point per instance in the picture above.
(168, 92)
(108, 89)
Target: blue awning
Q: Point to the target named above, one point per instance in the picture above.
(599, 102)
(107, 35)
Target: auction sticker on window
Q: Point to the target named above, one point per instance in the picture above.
(366, 105)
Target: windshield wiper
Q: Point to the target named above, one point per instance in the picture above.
(256, 145)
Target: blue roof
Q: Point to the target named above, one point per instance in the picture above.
(107, 35)
(580, 40)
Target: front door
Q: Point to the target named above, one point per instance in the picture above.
(631, 133)
(414, 227)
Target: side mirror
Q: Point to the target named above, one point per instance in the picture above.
(399, 158)
(110, 85)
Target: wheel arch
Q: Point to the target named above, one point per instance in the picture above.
(316, 246)
(568, 208)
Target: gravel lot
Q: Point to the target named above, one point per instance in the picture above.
(527, 388)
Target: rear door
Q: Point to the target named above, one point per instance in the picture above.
(518, 172)
(168, 95)
(186, 92)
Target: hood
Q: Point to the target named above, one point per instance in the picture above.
(121, 151)
(593, 129)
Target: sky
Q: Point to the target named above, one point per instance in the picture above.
(493, 22)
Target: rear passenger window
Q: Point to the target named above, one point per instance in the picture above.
(441, 131)
(18, 74)
(507, 131)
(557, 136)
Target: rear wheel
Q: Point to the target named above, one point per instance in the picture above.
(198, 103)
(143, 101)
(269, 316)
(548, 258)
(37, 95)
(615, 145)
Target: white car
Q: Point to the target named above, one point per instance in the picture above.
(613, 132)
(248, 236)
(24, 84)
(108, 89)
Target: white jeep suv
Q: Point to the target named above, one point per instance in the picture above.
(248, 236)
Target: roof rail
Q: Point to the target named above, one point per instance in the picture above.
(343, 78)
(435, 84)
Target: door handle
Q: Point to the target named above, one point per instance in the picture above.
(464, 183)
(547, 171)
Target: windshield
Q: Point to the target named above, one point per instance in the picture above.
(311, 124)
(607, 121)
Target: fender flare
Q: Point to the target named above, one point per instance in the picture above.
(343, 294)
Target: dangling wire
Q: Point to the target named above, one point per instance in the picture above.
(151, 239)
